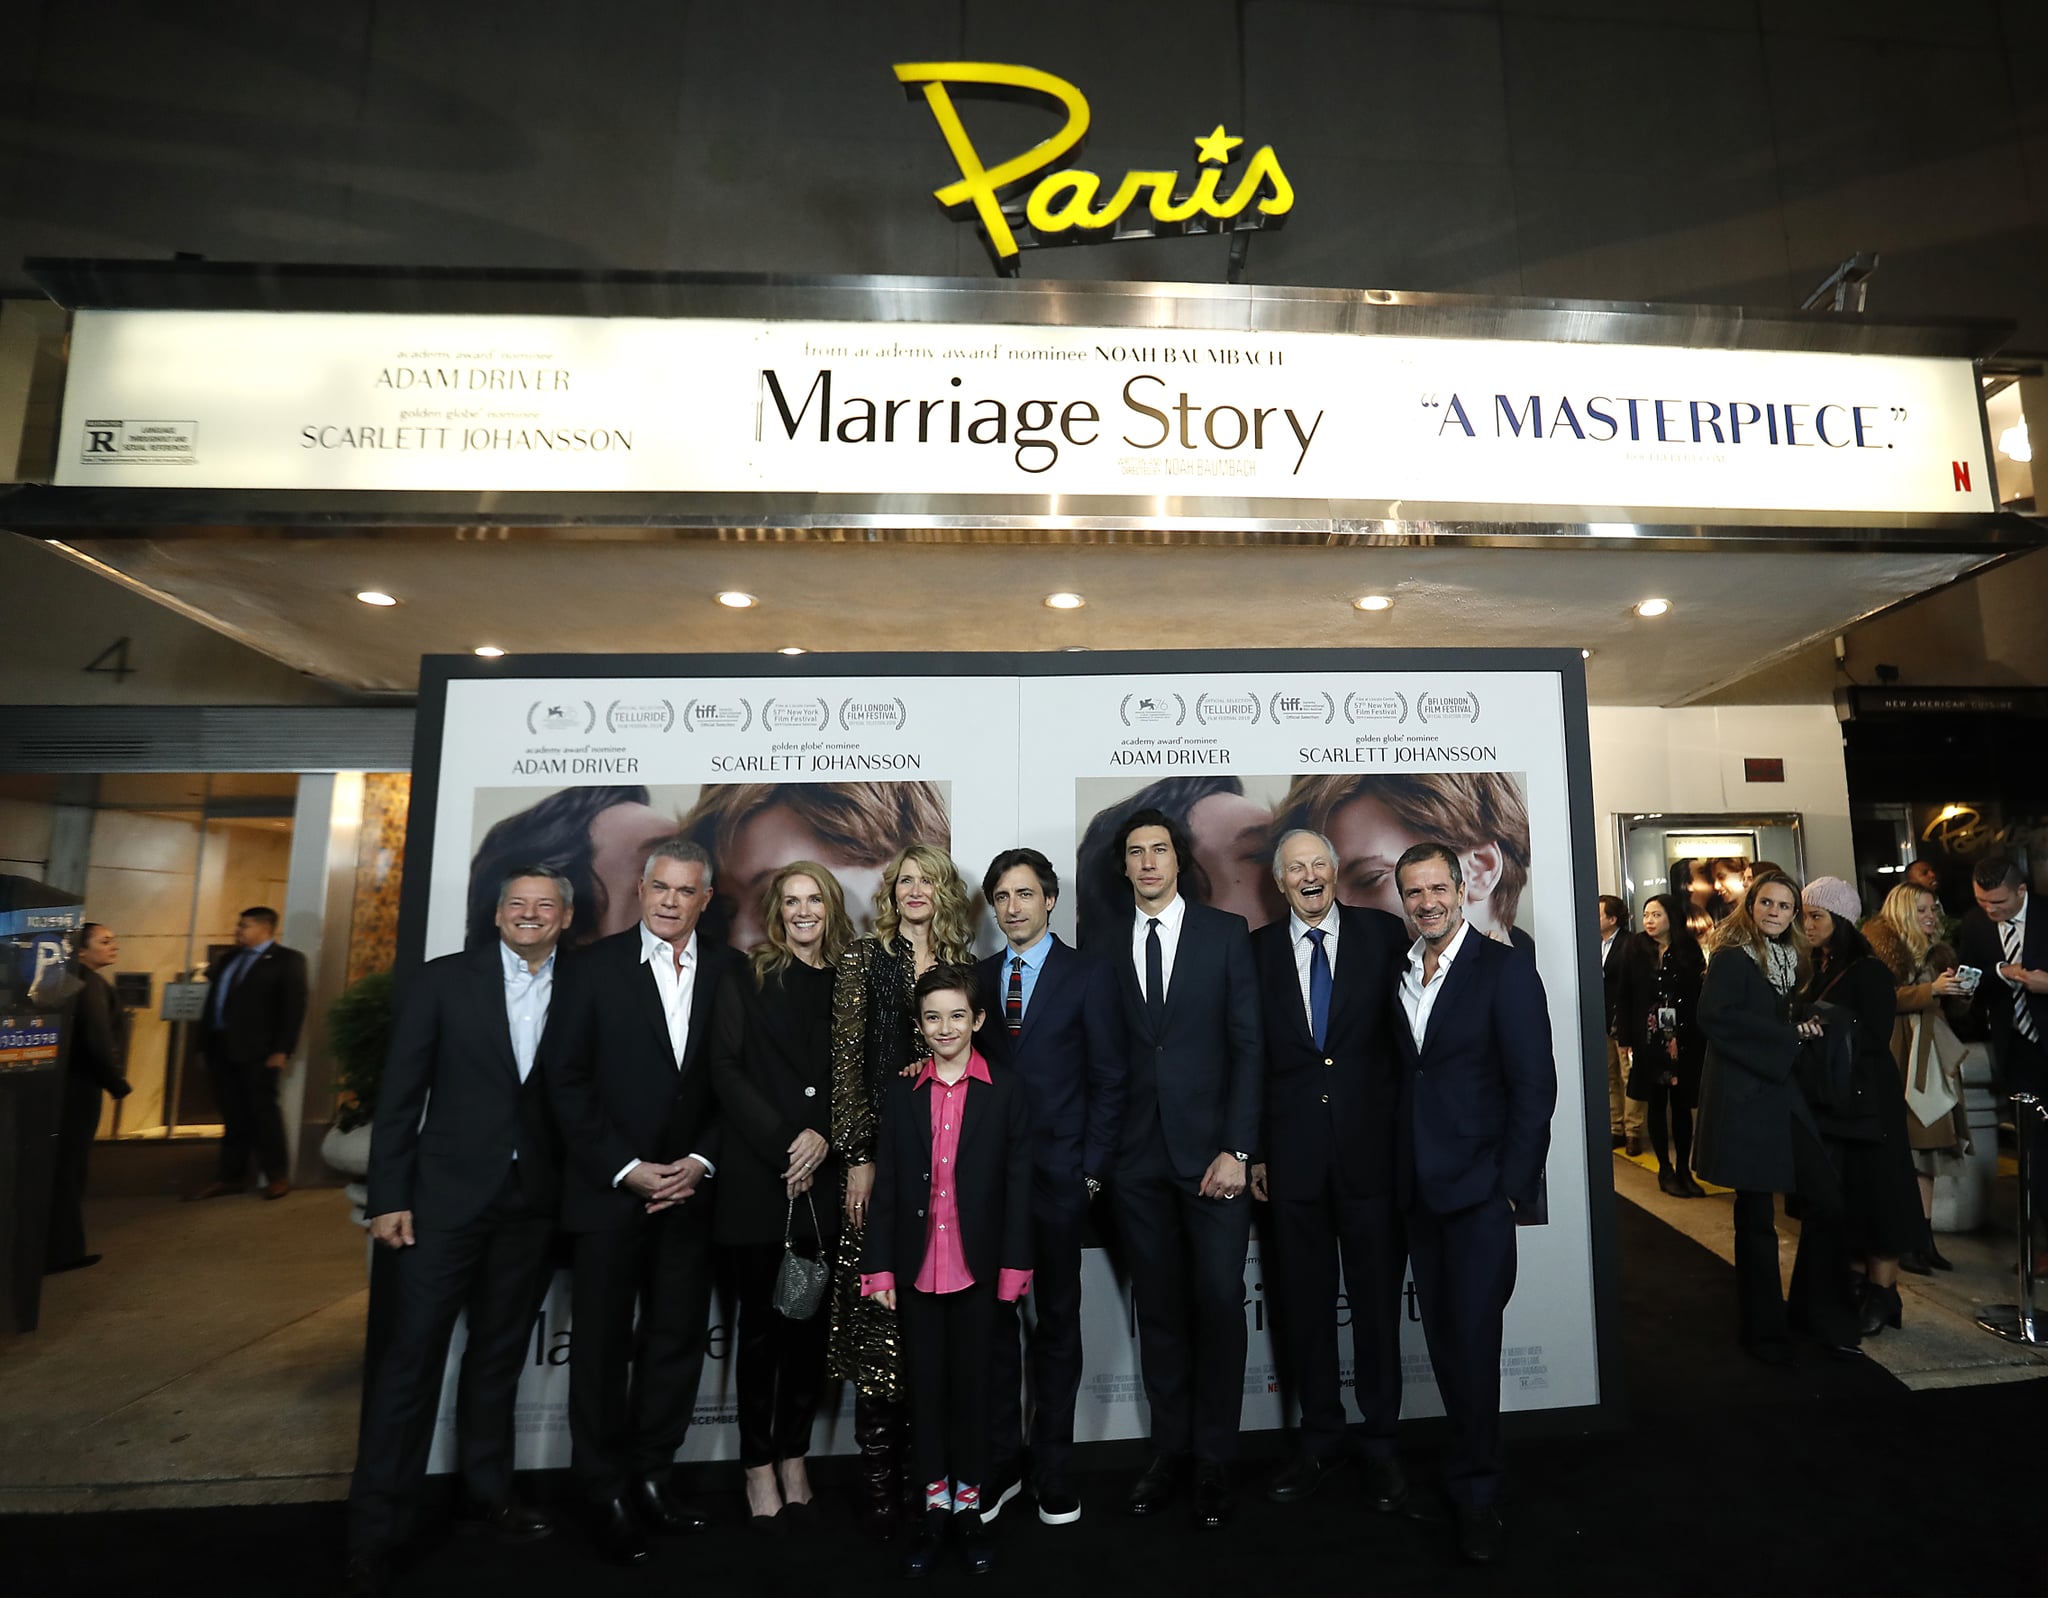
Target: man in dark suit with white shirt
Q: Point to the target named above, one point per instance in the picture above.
(1191, 1120)
(1472, 1130)
(633, 1096)
(1327, 978)
(2008, 942)
(465, 1178)
(255, 1006)
(1056, 1021)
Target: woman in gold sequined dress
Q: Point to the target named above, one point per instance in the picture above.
(923, 915)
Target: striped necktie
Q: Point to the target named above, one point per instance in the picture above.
(1013, 1001)
(2022, 1017)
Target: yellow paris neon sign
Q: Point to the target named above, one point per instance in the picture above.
(1061, 207)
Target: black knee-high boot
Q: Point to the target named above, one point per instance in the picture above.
(880, 1428)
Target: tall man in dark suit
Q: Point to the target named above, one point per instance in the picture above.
(465, 1179)
(255, 1005)
(1191, 1118)
(1056, 1021)
(1327, 978)
(634, 1100)
(2005, 940)
(1472, 1130)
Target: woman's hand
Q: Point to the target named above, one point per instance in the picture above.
(1809, 1029)
(1946, 985)
(806, 1153)
(860, 1183)
(1671, 1047)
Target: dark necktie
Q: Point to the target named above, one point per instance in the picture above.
(230, 974)
(1155, 976)
(2022, 1017)
(1013, 1001)
(1318, 987)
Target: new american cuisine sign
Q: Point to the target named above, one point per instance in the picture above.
(954, 413)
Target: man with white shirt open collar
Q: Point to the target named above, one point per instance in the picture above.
(1471, 1132)
(465, 1179)
(635, 1104)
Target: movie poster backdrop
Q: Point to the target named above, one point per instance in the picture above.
(589, 762)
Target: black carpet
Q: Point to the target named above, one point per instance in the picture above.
(1731, 1477)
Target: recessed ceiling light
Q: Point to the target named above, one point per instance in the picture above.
(1373, 602)
(733, 599)
(1585, 654)
(1653, 607)
(792, 649)
(372, 596)
(489, 651)
(1064, 601)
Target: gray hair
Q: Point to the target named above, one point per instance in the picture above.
(565, 890)
(1329, 848)
(685, 851)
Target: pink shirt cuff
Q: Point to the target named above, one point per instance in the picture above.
(873, 1282)
(1012, 1285)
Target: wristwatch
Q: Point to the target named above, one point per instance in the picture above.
(1094, 1187)
(1240, 1156)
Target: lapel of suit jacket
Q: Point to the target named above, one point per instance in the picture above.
(489, 971)
(1456, 982)
(708, 973)
(1049, 976)
(975, 1111)
(1283, 975)
(1134, 990)
(641, 980)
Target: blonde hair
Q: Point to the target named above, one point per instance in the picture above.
(953, 913)
(1898, 913)
(1738, 929)
(1466, 809)
(862, 823)
(773, 954)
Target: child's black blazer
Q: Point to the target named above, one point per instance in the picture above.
(993, 1177)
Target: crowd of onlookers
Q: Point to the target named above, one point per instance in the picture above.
(1775, 1041)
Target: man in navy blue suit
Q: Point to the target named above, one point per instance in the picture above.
(1472, 1129)
(1055, 1019)
(1327, 979)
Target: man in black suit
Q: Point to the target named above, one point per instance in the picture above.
(255, 1005)
(1327, 977)
(1625, 1116)
(1191, 1119)
(2008, 943)
(465, 1179)
(1057, 1024)
(634, 1100)
(1472, 1130)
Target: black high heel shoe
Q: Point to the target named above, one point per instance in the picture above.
(1668, 1181)
(1881, 1308)
(1937, 1259)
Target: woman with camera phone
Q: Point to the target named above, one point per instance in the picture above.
(1756, 1132)
(1656, 1010)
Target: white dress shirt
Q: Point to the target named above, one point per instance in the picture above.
(675, 974)
(1169, 940)
(1419, 998)
(1607, 943)
(1304, 956)
(527, 993)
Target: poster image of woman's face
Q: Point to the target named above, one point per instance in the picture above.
(766, 842)
(621, 838)
(1369, 838)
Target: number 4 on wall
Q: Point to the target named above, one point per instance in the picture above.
(114, 661)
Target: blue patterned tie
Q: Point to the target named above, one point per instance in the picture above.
(1318, 987)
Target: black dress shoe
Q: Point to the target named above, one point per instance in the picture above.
(1386, 1484)
(1212, 1496)
(1301, 1476)
(1668, 1182)
(78, 1264)
(1916, 1264)
(616, 1534)
(366, 1576)
(922, 1555)
(658, 1505)
(1480, 1532)
(508, 1520)
(1690, 1184)
(1153, 1491)
(977, 1549)
(1938, 1260)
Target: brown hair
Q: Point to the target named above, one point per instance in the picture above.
(953, 914)
(865, 823)
(773, 954)
(1466, 809)
(1738, 929)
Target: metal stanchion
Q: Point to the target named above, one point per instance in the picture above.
(2017, 1323)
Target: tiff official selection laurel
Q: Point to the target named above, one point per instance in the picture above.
(1152, 709)
(1433, 708)
(860, 714)
(796, 715)
(1389, 706)
(711, 715)
(659, 716)
(1317, 705)
(561, 715)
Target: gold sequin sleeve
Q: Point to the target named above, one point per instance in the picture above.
(853, 1116)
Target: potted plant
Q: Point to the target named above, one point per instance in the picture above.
(359, 1034)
